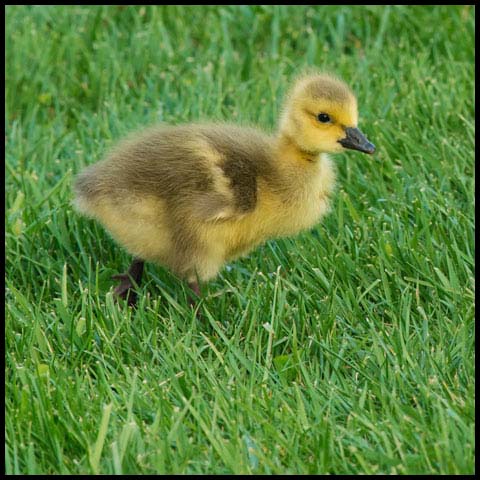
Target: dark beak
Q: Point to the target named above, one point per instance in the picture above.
(356, 140)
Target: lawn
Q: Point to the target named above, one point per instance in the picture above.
(348, 349)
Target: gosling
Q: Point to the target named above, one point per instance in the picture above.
(193, 197)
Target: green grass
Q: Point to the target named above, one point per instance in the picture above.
(348, 349)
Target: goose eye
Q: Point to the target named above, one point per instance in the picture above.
(323, 117)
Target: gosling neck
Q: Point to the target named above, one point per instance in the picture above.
(289, 149)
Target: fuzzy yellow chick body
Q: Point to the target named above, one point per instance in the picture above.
(193, 197)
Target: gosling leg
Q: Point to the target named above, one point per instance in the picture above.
(192, 299)
(129, 281)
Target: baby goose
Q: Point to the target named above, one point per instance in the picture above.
(192, 197)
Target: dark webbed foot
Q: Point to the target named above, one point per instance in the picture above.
(129, 281)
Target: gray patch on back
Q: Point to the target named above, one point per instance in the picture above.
(247, 155)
